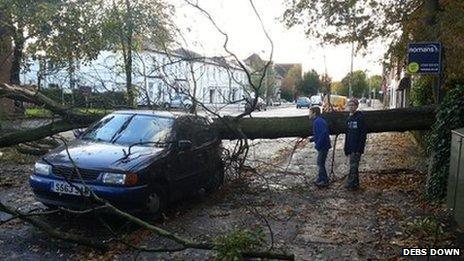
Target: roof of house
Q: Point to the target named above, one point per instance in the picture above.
(282, 69)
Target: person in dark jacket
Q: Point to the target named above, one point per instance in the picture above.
(322, 144)
(355, 141)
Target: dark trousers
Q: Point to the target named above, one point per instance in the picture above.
(322, 173)
(353, 176)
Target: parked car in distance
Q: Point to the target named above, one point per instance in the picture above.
(179, 102)
(316, 100)
(136, 160)
(260, 104)
(276, 102)
(303, 102)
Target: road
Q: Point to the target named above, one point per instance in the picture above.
(287, 110)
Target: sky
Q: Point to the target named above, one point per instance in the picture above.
(238, 20)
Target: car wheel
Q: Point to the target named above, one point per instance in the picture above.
(166, 106)
(297, 107)
(156, 201)
(216, 178)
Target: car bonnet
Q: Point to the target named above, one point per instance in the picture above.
(101, 155)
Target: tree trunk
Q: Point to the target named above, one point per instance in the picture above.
(6, 105)
(404, 119)
(128, 59)
(16, 61)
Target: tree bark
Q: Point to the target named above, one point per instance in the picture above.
(128, 56)
(17, 58)
(404, 119)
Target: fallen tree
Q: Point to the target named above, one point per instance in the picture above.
(404, 119)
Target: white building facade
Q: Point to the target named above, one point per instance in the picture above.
(157, 76)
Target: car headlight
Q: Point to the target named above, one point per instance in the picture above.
(114, 178)
(42, 168)
(129, 179)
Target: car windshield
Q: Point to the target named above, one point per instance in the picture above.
(316, 99)
(127, 129)
(302, 99)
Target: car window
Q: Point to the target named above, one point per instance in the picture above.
(145, 128)
(316, 99)
(204, 133)
(195, 129)
(106, 128)
(129, 129)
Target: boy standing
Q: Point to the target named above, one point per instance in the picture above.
(355, 141)
(322, 144)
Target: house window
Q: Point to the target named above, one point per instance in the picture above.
(211, 96)
(233, 94)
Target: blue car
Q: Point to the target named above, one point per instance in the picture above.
(303, 102)
(136, 160)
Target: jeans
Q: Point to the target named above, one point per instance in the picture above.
(353, 176)
(322, 173)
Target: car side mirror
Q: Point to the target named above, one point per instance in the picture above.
(184, 144)
(78, 132)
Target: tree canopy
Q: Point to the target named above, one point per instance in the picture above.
(339, 22)
(359, 83)
(290, 83)
(375, 82)
(311, 83)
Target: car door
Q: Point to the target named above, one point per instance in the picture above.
(202, 148)
(208, 152)
(185, 165)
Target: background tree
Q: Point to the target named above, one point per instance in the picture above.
(339, 89)
(311, 83)
(360, 85)
(375, 83)
(24, 20)
(133, 25)
(291, 82)
(350, 21)
(326, 82)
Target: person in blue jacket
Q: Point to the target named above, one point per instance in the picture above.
(322, 144)
(355, 141)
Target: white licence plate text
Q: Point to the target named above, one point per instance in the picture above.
(66, 188)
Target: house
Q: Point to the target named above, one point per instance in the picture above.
(159, 76)
(275, 75)
(396, 86)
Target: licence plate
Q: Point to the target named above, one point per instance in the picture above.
(66, 188)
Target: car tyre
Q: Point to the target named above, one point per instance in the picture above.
(156, 201)
(216, 178)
